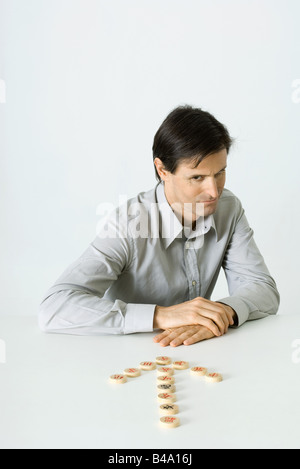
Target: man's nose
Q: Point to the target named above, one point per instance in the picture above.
(211, 188)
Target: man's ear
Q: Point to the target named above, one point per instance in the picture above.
(161, 170)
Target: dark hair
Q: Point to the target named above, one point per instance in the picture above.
(188, 133)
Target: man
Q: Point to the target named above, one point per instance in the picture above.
(156, 260)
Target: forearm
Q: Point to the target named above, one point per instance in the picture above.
(164, 317)
(253, 301)
(81, 313)
(253, 291)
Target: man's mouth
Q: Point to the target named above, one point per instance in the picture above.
(209, 201)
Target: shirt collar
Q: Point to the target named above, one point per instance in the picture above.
(170, 226)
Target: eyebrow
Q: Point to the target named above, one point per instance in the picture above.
(205, 175)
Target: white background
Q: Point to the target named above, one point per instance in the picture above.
(88, 82)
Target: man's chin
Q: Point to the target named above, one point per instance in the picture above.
(204, 210)
(210, 208)
(206, 207)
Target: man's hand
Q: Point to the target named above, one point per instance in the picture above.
(214, 316)
(186, 335)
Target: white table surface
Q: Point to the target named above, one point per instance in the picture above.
(55, 391)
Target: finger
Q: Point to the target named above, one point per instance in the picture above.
(213, 321)
(194, 339)
(160, 336)
(166, 332)
(203, 334)
(230, 317)
(219, 316)
(164, 338)
(163, 334)
(167, 340)
(205, 320)
(172, 334)
(220, 313)
(229, 313)
(181, 337)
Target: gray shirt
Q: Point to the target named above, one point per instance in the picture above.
(143, 257)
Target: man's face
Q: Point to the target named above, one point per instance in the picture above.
(189, 186)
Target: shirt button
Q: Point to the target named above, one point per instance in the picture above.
(194, 283)
(187, 245)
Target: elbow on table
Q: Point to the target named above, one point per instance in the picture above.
(47, 315)
(276, 302)
(273, 301)
(44, 319)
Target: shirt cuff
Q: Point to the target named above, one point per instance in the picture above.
(239, 307)
(139, 318)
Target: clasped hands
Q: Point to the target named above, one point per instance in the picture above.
(192, 321)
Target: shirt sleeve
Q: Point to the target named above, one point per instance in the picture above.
(253, 292)
(76, 303)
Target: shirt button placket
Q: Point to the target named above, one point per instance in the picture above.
(192, 270)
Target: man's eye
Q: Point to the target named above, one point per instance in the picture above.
(201, 178)
(221, 172)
